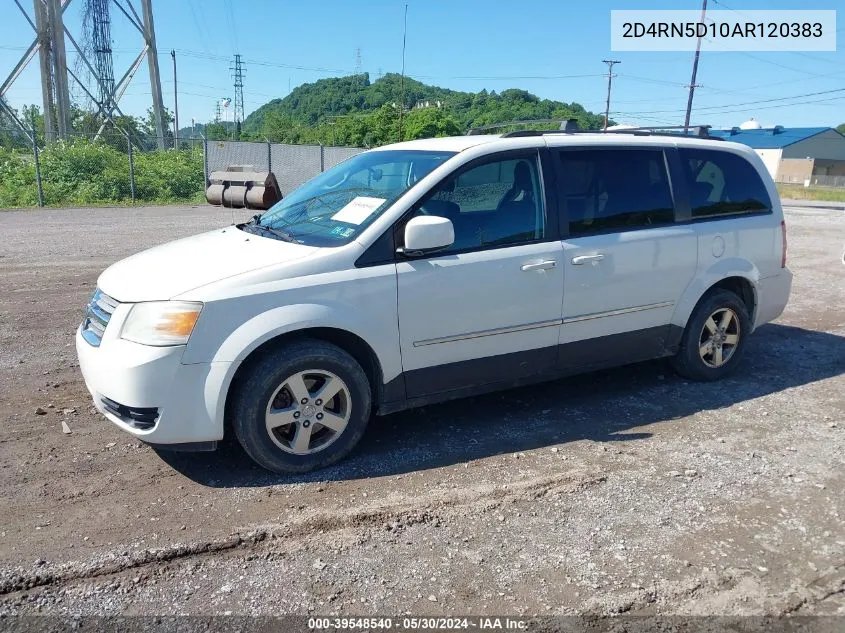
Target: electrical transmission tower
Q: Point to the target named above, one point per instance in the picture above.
(358, 65)
(51, 35)
(237, 69)
(101, 41)
(217, 111)
(50, 44)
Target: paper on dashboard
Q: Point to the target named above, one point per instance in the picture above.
(358, 210)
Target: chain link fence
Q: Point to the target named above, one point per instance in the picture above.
(114, 168)
(291, 164)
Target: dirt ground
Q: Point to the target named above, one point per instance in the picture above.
(624, 491)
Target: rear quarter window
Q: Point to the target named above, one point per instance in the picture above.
(614, 190)
(723, 183)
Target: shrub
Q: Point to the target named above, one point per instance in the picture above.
(82, 172)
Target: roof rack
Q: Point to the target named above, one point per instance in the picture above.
(570, 126)
(699, 131)
(566, 125)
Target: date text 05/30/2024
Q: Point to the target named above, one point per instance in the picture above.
(422, 624)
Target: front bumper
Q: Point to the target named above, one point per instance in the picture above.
(149, 393)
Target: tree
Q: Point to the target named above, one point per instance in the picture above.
(114, 131)
(841, 128)
(32, 114)
(428, 123)
(333, 108)
(11, 135)
(148, 128)
(216, 131)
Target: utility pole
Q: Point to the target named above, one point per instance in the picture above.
(175, 104)
(155, 78)
(692, 84)
(402, 78)
(610, 63)
(238, 110)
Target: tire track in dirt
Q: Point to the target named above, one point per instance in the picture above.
(389, 514)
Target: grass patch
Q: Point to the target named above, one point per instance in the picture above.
(82, 173)
(797, 192)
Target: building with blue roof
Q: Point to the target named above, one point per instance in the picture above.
(805, 155)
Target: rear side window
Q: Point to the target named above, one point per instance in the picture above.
(722, 183)
(618, 189)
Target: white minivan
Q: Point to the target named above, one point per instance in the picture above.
(436, 269)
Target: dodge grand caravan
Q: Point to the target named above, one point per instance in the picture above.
(436, 269)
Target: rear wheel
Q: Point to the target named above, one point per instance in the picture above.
(301, 407)
(714, 338)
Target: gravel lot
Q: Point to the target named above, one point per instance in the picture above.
(621, 491)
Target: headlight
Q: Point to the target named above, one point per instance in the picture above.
(161, 323)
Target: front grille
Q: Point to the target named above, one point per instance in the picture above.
(100, 308)
(141, 418)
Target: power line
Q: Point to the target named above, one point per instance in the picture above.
(320, 69)
(801, 53)
(201, 27)
(760, 101)
(232, 30)
(785, 67)
(783, 105)
(659, 82)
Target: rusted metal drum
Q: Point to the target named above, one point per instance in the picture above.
(241, 186)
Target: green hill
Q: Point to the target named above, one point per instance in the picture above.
(352, 110)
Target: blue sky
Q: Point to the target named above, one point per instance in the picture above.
(553, 48)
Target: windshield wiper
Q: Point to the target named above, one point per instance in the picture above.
(255, 223)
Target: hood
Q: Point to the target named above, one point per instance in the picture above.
(171, 269)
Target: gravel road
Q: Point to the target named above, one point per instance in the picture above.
(624, 491)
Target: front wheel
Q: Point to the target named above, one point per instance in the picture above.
(714, 338)
(301, 407)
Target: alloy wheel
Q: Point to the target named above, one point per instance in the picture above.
(308, 411)
(719, 337)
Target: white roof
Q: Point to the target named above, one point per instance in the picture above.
(559, 139)
(444, 144)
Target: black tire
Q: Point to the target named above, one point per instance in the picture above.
(689, 362)
(263, 378)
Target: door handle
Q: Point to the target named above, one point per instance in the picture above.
(580, 260)
(539, 266)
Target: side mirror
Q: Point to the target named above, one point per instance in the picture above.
(427, 233)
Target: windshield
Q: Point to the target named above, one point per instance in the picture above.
(333, 208)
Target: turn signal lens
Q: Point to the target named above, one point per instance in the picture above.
(161, 323)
